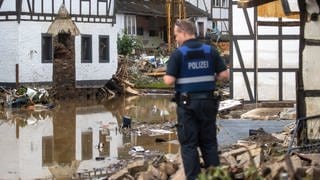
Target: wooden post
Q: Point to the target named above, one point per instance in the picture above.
(17, 75)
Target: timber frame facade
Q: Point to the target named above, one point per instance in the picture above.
(250, 74)
(98, 11)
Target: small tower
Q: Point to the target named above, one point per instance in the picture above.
(64, 31)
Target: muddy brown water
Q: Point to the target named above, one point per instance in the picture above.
(32, 141)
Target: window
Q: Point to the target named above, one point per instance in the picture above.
(220, 3)
(86, 49)
(46, 48)
(104, 47)
(130, 24)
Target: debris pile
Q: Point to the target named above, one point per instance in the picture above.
(131, 74)
(24, 97)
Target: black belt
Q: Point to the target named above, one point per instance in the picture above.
(199, 95)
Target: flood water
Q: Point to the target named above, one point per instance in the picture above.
(34, 142)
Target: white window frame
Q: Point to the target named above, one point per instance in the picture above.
(221, 3)
(130, 24)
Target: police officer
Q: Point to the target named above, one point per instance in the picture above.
(194, 67)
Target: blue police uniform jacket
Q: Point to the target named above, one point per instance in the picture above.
(197, 70)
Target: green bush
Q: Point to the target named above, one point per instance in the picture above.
(126, 44)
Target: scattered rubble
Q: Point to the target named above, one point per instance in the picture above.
(261, 155)
(25, 97)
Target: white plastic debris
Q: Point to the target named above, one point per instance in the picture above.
(137, 149)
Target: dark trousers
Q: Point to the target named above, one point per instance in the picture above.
(197, 128)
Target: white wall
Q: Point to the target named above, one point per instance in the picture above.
(29, 53)
(8, 51)
(96, 70)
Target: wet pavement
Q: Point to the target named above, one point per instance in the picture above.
(32, 142)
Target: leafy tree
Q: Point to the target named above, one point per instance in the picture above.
(126, 44)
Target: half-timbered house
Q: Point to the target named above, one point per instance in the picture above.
(26, 52)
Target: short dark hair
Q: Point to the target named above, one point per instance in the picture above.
(186, 26)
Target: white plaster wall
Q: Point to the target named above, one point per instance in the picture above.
(268, 86)
(8, 51)
(290, 54)
(312, 106)
(311, 30)
(8, 6)
(289, 86)
(239, 86)
(239, 23)
(311, 64)
(96, 70)
(267, 53)
(29, 52)
(246, 47)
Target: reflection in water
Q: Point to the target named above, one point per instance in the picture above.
(75, 135)
(34, 143)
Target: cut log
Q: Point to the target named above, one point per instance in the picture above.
(128, 83)
(132, 91)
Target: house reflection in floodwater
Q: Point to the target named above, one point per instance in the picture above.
(93, 128)
(32, 142)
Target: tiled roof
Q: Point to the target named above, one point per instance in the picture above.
(154, 8)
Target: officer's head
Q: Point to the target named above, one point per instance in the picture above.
(184, 30)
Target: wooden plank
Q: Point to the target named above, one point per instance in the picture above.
(155, 74)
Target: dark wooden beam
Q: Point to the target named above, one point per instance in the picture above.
(277, 23)
(252, 3)
(18, 10)
(312, 42)
(1, 1)
(29, 5)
